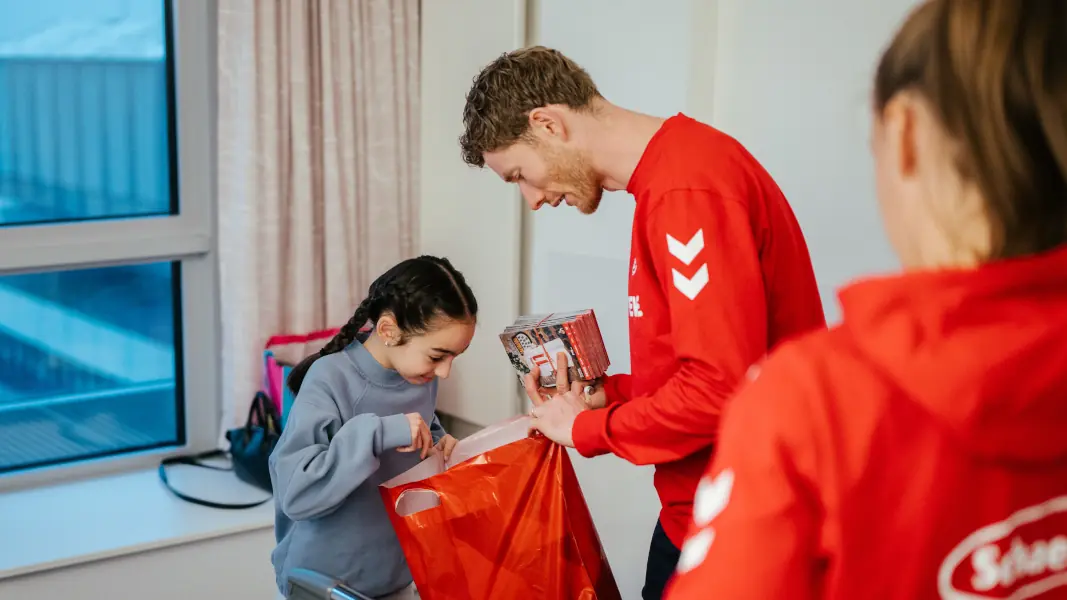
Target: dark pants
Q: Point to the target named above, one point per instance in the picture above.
(662, 561)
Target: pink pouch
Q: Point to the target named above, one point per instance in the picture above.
(280, 355)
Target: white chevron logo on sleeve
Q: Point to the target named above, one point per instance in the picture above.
(691, 287)
(688, 251)
(711, 499)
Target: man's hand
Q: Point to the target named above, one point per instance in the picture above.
(593, 395)
(555, 417)
(445, 445)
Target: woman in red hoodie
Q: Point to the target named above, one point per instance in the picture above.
(919, 449)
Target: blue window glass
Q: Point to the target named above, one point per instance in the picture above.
(85, 111)
(89, 363)
(90, 358)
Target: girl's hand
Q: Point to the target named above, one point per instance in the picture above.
(445, 446)
(421, 439)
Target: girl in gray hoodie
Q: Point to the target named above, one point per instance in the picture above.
(364, 413)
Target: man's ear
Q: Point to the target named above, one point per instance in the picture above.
(388, 331)
(548, 122)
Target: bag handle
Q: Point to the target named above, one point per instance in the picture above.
(415, 500)
(297, 338)
(538, 448)
(285, 339)
(197, 460)
(258, 414)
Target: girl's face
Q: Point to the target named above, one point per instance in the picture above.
(423, 357)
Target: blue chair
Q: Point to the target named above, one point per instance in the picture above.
(305, 584)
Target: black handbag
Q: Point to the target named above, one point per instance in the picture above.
(250, 448)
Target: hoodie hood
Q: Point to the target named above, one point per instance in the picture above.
(984, 351)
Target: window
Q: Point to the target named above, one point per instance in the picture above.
(108, 276)
(89, 363)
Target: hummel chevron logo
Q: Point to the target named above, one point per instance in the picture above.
(712, 496)
(688, 251)
(711, 499)
(690, 287)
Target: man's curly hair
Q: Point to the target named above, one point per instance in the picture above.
(503, 94)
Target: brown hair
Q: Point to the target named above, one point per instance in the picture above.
(503, 94)
(995, 74)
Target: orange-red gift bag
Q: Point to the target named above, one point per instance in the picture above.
(504, 519)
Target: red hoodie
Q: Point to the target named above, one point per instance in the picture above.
(719, 274)
(919, 450)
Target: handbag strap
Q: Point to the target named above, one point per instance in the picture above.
(263, 413)
(286, 339)
(197, 460)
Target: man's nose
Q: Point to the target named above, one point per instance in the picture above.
(534, 197)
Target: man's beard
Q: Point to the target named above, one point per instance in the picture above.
(573, 173)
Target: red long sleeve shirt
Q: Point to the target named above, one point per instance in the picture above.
(719, 274)
(917, 451)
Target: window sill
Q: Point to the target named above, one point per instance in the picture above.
(76, 522)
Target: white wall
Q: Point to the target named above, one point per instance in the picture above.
(792, 83)
(235, 567)
(465, 215)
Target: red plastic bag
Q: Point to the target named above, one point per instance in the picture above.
(504, 519)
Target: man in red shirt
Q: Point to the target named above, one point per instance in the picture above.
(719, 270)
(919, 449)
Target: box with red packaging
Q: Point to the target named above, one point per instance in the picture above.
(535, 340)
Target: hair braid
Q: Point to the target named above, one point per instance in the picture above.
(349, 331)
(348, 334)
(415, 293)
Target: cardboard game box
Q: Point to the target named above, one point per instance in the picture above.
(535, 340)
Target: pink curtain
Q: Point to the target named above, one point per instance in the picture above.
(318, 166)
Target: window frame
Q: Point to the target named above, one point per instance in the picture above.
(189, 237)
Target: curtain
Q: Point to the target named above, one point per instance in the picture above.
(318, 167)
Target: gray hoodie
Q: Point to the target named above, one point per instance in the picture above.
(339, 442)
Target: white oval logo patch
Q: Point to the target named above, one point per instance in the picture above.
(1023, 556)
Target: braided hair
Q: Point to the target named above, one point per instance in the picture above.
(414, 292)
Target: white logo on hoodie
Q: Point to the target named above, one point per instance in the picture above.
(1023, 556)
(711, 499)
